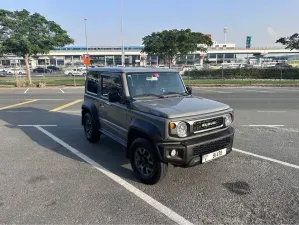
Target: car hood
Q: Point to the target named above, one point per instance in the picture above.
(179, 106)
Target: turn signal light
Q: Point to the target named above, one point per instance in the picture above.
(172, 125)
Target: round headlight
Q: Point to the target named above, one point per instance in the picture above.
(228, 120)
(182, 129)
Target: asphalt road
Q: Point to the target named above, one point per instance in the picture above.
(42, 181)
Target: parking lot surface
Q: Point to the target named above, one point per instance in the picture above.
(49, 173)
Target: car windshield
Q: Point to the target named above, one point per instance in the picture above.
(155, 84)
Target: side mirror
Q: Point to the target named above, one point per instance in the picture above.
(189, 90)
(113, 97)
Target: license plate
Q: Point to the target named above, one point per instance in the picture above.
(213, 155)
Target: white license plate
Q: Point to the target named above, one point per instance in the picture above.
(213, 155)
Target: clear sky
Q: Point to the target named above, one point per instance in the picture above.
(264, 20)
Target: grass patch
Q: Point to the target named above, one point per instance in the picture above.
(78, 81)
(8, 82)
(61, 81)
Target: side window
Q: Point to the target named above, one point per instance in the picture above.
(92, 81)
(111, 84)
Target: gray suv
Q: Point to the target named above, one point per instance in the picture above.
(155, 117)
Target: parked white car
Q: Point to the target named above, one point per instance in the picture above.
(16, 71)
(75, 72)
(187, 68)
(198, 66)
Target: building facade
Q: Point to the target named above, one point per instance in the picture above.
(111, 56)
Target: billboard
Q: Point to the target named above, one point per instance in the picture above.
(86, 59)
(248, 42)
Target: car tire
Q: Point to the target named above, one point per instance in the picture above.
(143, 150)
(70, 74)
(91, 133)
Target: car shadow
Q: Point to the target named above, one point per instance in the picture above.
(106, 152)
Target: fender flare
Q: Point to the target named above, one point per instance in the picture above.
(144, 129)
(92, 109)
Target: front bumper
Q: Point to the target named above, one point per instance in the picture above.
(190, 152)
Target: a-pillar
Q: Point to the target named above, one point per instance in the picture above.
(201, 58)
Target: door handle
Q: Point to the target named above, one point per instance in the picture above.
(102, 105)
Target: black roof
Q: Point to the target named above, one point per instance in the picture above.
(130, 69)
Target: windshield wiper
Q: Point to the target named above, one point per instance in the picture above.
(164, 95)
(173, 93)
(146, 95)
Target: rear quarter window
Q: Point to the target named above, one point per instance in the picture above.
(92, 82)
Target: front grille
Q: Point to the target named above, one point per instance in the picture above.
(211, 147)
(207, 124)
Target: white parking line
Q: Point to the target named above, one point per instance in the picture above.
(263, 125)
(61, 91)
(149, 200)
(26, 91)
(267, 158)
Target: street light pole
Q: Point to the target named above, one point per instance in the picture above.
(122, 34)
(225, 33)
(225, 29)
(85, 27)
(85, 21)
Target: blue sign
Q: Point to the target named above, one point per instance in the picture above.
(248, 41)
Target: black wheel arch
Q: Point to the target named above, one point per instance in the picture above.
(142, 129)
(89, 107)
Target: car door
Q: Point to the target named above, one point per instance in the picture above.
(113, 115)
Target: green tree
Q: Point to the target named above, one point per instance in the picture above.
(291, 42)
(170, 44)
(25, 34)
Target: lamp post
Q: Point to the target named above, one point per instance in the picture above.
(225, 30)
(85, 27)
(122, 34)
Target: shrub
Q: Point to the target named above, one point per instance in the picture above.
(21, 82)
(41, 85)
(243, 73)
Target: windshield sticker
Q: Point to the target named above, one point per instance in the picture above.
(152, 78)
